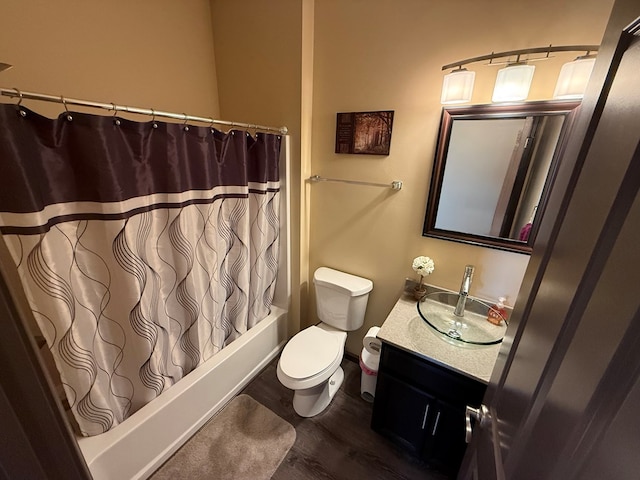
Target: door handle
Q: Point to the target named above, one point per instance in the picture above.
(435, 425)
(481, 415)
(424, 417)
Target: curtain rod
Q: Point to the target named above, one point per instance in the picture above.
(395, 185)
(15, 93)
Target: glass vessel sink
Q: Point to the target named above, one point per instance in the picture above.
(436, 310)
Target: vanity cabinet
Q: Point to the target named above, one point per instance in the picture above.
(421, 406)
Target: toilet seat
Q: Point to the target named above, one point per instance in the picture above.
(317, 347)
(310, 357)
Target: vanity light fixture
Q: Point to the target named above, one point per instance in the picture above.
(513, 81)
(457, 86)
(574, 77)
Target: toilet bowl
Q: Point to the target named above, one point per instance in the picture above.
(310, 365)
(310, 362)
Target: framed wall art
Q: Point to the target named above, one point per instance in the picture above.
(366, 133)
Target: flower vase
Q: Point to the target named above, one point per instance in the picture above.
(419, 291)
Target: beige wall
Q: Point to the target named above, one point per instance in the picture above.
(153, 54)
(385, 54)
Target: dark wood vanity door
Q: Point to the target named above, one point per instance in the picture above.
(401, 412)
(445, 445)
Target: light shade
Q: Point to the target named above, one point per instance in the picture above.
(573, 78)
(457, 86)
(513, 83)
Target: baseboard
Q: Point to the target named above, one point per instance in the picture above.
(352, 357)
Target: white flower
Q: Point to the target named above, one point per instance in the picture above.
(423, 266)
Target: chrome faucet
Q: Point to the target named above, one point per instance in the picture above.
(464, 290)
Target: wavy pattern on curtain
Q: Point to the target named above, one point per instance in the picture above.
(143, 250)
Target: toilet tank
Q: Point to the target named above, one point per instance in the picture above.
(341, 298)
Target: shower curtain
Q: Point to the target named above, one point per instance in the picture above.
(143, 247)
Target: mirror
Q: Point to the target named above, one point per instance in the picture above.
(493, 170)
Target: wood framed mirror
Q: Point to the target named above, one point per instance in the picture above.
(493, 170)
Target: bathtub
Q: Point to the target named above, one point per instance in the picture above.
(137, 447)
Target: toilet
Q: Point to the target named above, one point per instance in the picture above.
(310, 362)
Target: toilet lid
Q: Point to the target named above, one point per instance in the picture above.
(309, 352)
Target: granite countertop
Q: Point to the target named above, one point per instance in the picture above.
(405, 329)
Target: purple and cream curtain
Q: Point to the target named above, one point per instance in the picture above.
(143, 247)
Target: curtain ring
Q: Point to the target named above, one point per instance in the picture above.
(186, 127)
(153, 118)
(19, 95)
(211, 125)
(66, 109)
(115, 120)
(22, 112)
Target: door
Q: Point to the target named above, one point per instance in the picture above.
(403, 412)
(444, 447)
(562, 399)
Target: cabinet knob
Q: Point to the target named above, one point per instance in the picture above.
(481, 415)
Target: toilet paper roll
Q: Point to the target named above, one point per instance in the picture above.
(370, 342)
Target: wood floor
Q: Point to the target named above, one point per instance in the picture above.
(338, 443)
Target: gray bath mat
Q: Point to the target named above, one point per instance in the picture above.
(245, 440)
